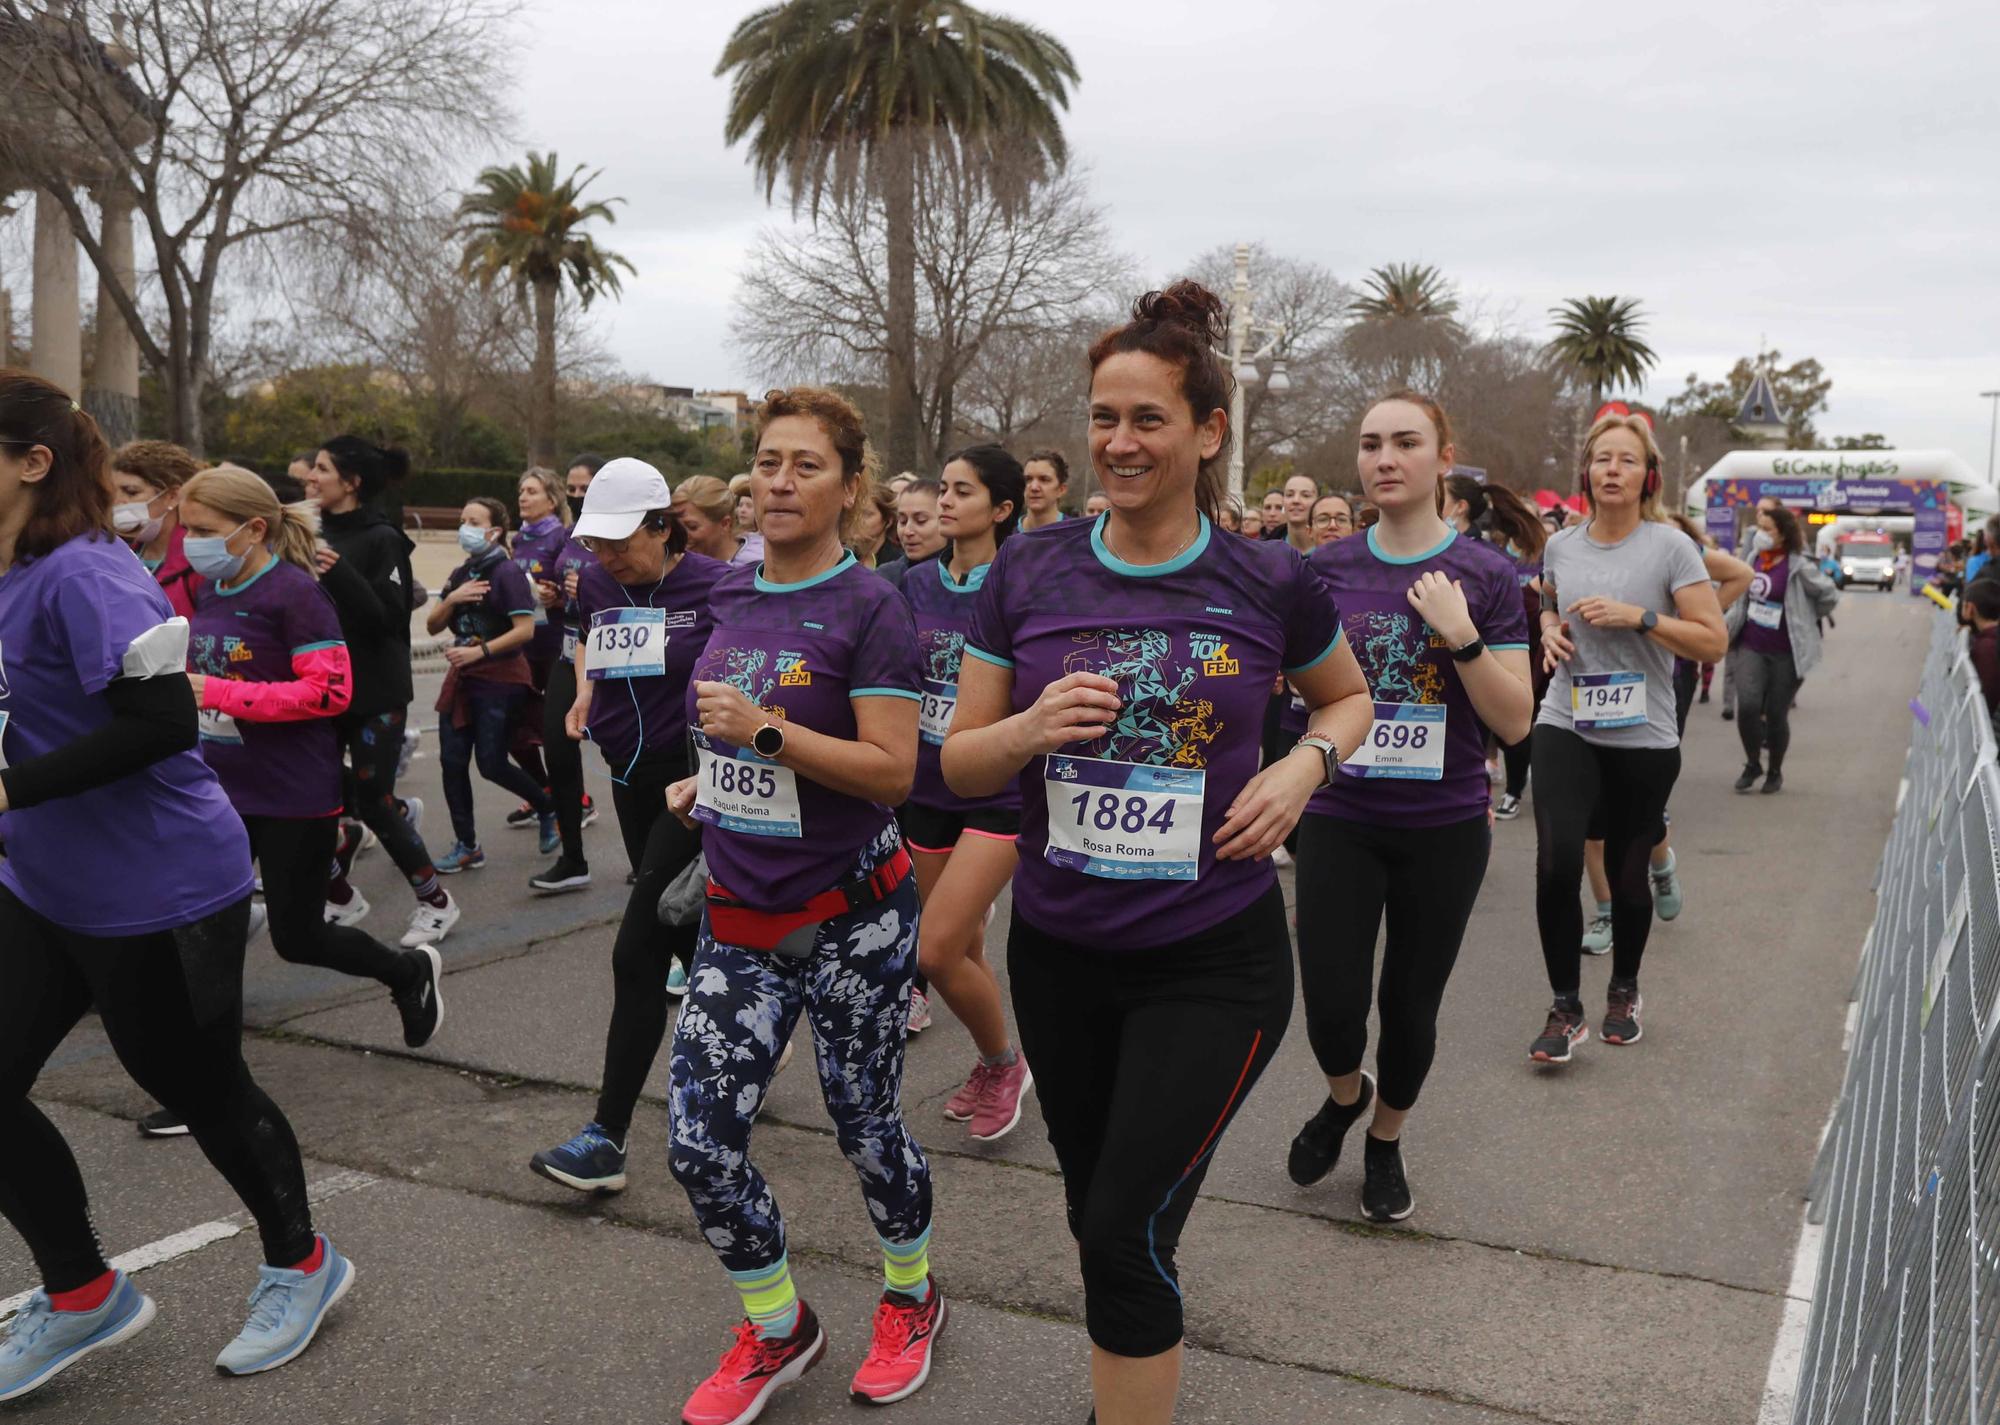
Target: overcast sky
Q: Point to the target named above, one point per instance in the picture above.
(1822, 176)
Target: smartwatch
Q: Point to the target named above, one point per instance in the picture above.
(1471, 650)
(1648, 621)
(1329, 754)
(768, 741)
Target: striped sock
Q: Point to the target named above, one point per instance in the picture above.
(770, 1300)
(906, 1266)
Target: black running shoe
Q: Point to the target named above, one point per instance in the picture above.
(1775, 782)
(1385, 1191)
(161, 1124)
(565, 875)
(522, 818)
(1621, 1014)
(1317, 1148)
(421, 1005)
(1564, 1031)
(1749, 778)
(1728, 713)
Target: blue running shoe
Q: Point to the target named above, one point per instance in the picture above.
(286, 1310)
(41, 1342)
(677, 980)
(589, 1162)
(460, 858)
(551, 834)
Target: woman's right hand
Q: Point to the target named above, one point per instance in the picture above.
(470, 592)
(1556, 647)
(549, 595)
(1076, 708)
(576, 720)
(680, 801)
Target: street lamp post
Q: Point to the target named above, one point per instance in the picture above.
(1992, 434)
(1243, 330)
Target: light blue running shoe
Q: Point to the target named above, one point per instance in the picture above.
(460, 858)
(677, 980)
(1667, 890)
(551, 834)
(286, 1310)
(41, 1342)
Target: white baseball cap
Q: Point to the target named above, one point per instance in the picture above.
(622, 493)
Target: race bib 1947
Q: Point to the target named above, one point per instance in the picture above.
(1601, 701)
(1124, 820)
(218, 727)
(1405, 741)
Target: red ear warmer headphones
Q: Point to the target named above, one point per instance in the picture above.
(1619, 408)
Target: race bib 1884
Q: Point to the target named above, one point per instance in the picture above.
(1600, 701)
(1405, 741)
(1124, 820)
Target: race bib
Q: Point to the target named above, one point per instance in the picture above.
(934, 716)
(1406, 741)
(1766, 614)
(739, 791)
(627, 643)
(1124, 821)
(1298, 703)
(218, 727)
(1601, 701)
(569, 643)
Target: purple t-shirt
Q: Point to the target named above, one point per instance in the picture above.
(536, 550)
(507, 594)
(943, 610)
(250, 634)
(803, 651)
(1764, 628)
(153, 850)
(1407, 663)
(639, 706)
(1109, 850)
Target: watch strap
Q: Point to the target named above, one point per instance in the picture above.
(1329, 754)
(1470, 651)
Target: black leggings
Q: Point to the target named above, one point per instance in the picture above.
(1629, 786)
(1350, 874)
(564, 758)
(292, 856)
(172, 1004)
(373, 746)
(660, 848)
(1766, 683)
(1141, 1059)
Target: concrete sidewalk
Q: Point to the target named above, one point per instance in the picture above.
(1613, 1240)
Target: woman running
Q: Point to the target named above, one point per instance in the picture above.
(707, 511)
(542, 502)
(874, 524)
(1623, 595)
(644, 606)
(98, 768)
(1776, 631)
(364, 564)
(804, 706)
(964, 848)
(917, 530)
(1119, 668)
(490, 610)
(1047, 476)
(1435, 617)
(563, 755)
(147, 476)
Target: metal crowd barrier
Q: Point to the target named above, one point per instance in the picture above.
(1905, 1324)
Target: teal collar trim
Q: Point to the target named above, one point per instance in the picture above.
(972, 583)
(269, 565)
(765, 586)
(1147, 571)
(1387, 558)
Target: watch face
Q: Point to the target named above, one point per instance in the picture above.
(768, 741)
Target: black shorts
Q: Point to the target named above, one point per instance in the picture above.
(936, 829)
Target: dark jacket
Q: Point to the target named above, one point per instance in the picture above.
(371, 589)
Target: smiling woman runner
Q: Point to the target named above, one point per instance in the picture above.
(98, 769)
(1623, 594)
(1149, 960)
(804, 713)
(1435, 617)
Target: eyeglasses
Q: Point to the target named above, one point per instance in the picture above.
(606, 546)
(1332, 521)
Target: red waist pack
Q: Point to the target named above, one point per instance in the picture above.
(791, 933)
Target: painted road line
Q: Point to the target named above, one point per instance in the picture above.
(206, 1234)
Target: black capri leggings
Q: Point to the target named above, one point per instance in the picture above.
(1425, 879)
(1633, 783)
(172, 1004)
(564, 758)
(292, 856)
(660, 848)
(1142, 1058)
(374, 746)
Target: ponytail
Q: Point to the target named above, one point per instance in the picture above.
(1515, 518)
(291, 531)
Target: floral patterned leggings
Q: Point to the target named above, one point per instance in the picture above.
(741, 1008)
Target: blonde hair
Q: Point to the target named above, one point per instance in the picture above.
(552, 486)
(1656, 463)
(739, 485)
(291, 531)
(710, 498)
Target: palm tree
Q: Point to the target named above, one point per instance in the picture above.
(1407, 320)
(835, 93)
(1406, 291)
(1599, 338)
(524, 224)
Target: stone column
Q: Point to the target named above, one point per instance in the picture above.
(113, 396)
(56, 347)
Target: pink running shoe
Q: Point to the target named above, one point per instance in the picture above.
(999, 1107)
(960, 1107)
(751, 1371)
(899, 1358)
(920, 1010)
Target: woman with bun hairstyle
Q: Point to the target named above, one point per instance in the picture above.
(98, 769)
(1118, 667)
(147, 476)
(707, 511)
(364, 564)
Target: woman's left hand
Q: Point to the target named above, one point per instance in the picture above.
(722, 711)
(1440, 602)
(197, 681)
(1268, 807)
(464, 656)
(1607, 613)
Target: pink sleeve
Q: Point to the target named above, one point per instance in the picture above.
(323, 687)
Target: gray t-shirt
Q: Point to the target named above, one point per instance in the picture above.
(1599, 693)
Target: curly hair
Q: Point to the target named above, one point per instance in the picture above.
(1185, 326)
(160, 463)
(844, 427)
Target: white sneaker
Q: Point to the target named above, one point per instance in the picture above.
(429, 924)
(920, 1011)
(413, 812)
(260, 921)
(408, 752)
(369, 841)
(350, 914)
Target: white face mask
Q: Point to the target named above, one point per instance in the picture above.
(1763, 541)
(135, 521)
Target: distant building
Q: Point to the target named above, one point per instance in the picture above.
(1760, 418)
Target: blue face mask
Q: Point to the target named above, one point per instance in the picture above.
(472, 539)
(208, 555)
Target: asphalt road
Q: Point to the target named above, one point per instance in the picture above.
(1610, 1241)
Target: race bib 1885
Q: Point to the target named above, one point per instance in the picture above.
(1600, 701)
(739, 791)
(1124, 820)
(1406, 741)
